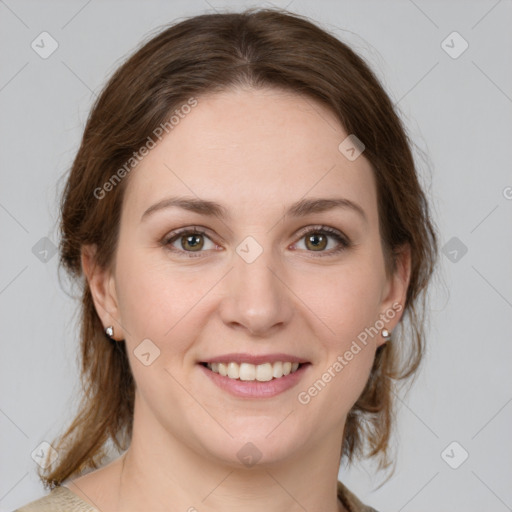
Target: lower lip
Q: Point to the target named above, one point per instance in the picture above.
(254, 388)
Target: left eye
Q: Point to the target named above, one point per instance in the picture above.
(316, 240)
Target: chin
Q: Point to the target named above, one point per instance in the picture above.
(250, 451)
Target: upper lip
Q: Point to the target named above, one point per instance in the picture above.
(254, 359)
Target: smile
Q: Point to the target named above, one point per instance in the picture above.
(247, 371)
(247, 380)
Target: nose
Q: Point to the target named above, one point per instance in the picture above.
(257, 299)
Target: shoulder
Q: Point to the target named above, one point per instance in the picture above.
(351, 501)
(60, 499)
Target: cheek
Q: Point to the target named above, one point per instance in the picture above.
(349, 311)
(165, 308)
(157, 300)
(346, 299)
(347, 302)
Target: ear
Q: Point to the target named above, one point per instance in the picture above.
(102, 285)
(395, 290)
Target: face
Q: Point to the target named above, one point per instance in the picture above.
(260, 281)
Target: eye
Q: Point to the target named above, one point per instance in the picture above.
(317, 239)
(188, 241)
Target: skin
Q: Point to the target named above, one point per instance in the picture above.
(255, 152)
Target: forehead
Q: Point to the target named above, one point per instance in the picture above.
(252, 147)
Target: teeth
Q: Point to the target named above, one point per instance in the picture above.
(261, 372)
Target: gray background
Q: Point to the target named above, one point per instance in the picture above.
(457, 110)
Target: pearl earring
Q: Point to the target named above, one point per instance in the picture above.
(109, 331)
(385, 334)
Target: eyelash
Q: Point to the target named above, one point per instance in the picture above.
(344, 242)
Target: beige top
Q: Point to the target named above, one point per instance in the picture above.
(62, 499)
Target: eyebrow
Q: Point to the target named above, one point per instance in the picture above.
(211, 208)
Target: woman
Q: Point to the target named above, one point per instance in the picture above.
(254, 247)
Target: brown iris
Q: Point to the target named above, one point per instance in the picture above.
(313, 237)
(191, 241)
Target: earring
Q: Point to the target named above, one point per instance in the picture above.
(385, 334)
(109, 331)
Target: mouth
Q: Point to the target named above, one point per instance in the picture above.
(250, 372)
(246, 380)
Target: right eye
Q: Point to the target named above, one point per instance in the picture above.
(189, 240)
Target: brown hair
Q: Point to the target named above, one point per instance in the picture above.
(198, 56)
